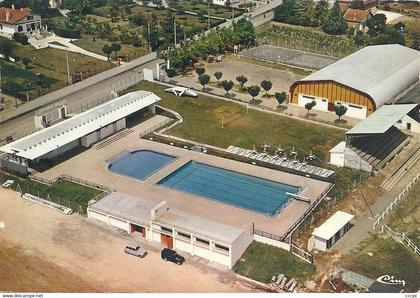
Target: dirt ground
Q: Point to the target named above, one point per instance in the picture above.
(43, 250)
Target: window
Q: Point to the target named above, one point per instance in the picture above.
(184, 235)
(310, 97)
(166, 229)
(30, 18)
(357, 107)
(202, 241)
(218, 246)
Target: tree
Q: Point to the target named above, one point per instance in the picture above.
(280, 97)
(227, 85)
(321, 10)
(357, 4)
(6, 48)
(266, 85)
(200, 71)
(170, 72)
(359, 39)
(376, 24)
(400, 26)
(309, 106)
(26, 61)
(254, 91)
(244, 31)
(204, 79)
(218, 75)
(78, 6)
(334, 23)
(340, 110)
(107, 50)
(228, 4)
(241, 80)
(116, 47)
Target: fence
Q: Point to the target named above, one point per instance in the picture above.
(381, 216)
(72, 179)
(401, 238)
(353, 278)
(155, 127)
(303, 254)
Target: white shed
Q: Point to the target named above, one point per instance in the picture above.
(337, 154)
(330, 231)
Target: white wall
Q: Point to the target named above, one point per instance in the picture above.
(107, 131)
(320, 244)
(354, 111)
(183, 244)
(415, 126)
(337, 159)
(321, 103)
(119, 223)
(89, 139)
(354, 161)
(283, 245)
(60, 150)
(239, 246)
(121, 124)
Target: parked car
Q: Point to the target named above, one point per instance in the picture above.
(171, 256)
(134, 249)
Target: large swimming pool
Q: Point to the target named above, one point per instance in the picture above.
(244, 191)
(140, 164)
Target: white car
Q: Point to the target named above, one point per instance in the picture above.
(134, 249)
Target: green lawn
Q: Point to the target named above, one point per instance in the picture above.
(202, 123)
(49, 62)
(261, 261)
(380, 254)
(63, 192)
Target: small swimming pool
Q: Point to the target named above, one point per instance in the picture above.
(140, 164)
(244, 191)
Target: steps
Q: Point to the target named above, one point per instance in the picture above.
(112, 139)
(389, 183)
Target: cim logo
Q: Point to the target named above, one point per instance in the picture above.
(389, 280)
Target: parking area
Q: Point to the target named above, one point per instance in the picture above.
(47, 251)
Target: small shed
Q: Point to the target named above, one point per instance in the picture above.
(330, 231)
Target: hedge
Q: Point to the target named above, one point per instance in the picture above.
(67, 33)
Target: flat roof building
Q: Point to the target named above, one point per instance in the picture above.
(82, 129)
(330, 231)
(173, 229)
(363, 81)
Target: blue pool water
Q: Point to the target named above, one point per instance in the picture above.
(140, 164)
(244, 191)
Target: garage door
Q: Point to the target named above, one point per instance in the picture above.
(355, 111)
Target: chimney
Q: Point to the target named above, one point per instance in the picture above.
(7, 15)
(13, 6)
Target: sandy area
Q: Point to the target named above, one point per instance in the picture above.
(43, 250)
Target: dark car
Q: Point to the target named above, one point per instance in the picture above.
(171, 256)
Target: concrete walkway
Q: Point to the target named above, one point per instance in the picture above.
(360, 231)
(62, 43)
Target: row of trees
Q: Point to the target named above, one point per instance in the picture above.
(309, 13)
(215, 42)
(227, 85)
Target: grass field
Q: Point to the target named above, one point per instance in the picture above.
(261, 261)
(380, 254)
(63, 192)
(203, 116)
(49, 62)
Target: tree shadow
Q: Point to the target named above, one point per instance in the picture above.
(255, 101)
(282, 108)
(340, 121)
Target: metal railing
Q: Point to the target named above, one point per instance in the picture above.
(308, 211)
(303, 254)
(155, 127)
(401, 238)
(381, 216)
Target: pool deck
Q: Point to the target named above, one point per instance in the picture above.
(91, 165)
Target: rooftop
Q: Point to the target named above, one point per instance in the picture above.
(48, 139)
(332, 225)
(12, 16)
(124, 206)
(356, 15)
(381, 71)
(383, 119)
(200, 226)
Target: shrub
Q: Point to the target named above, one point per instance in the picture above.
(21, 38)
(67, 33)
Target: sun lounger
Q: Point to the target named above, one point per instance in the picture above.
(283, 282)
(273, 279)
(289, 283)
(230, 148)
(292, 287)
(8, 183)
(279, 279)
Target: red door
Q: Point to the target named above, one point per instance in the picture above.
(330, 106)
(166, 241)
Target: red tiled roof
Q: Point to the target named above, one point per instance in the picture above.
(343, 7)
(12, 16)
(356, 15)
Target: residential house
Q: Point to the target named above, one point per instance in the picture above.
(22, 20)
